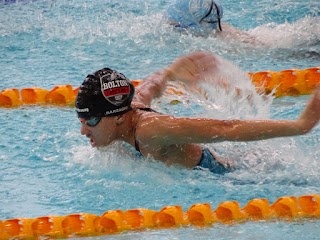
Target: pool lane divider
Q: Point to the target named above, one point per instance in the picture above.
(292, 82)
(287, 208)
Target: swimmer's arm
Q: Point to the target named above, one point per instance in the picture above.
(151, 87)
(234, 33)
(186, 131)
(188, 69)
(170, 130)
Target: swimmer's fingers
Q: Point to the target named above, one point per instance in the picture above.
(317, 90)
(316, 97)
(311, 115)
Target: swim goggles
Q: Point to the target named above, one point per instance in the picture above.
(91, 122)
(219, 15)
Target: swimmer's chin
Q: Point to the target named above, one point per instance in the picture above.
(98, 146)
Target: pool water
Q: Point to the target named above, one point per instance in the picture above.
(48, 168)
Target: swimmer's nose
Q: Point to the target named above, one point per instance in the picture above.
(84, 129)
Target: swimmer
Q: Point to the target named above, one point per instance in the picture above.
(111, 109)
(203, 17)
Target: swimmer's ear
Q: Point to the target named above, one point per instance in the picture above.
(119, 119)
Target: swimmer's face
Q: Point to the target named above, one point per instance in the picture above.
(100, 134)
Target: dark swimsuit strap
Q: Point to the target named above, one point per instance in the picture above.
(147, 109)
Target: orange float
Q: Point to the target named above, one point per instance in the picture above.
(200, 214)
(292, 82)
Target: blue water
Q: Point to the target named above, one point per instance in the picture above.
(48, 168)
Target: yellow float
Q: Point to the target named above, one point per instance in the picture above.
(293, 82)
(201, 214)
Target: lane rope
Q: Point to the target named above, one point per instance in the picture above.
(293, 82)
(285, 208)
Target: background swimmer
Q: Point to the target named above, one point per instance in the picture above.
(202, 18)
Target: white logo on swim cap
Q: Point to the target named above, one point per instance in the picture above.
(114, 90)
(82, 109)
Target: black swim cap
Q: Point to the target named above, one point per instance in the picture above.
(104, 93)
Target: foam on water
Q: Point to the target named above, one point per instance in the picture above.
(304, 33)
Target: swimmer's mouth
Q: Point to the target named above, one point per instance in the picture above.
(93, 144)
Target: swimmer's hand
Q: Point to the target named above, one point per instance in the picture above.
(310, 117)
(192, 67)
(199, 66)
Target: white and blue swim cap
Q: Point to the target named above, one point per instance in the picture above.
(197, 14)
